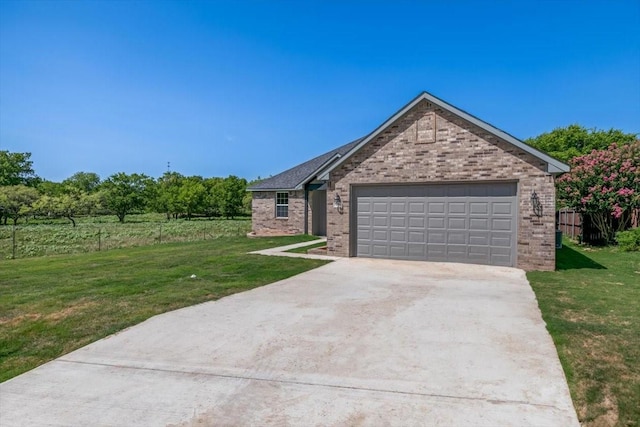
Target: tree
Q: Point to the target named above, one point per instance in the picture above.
(16, 201)
(87, 182)
(66, 205)
(167, 194)
(234, 189)
(16, 169)
(192, 195)
(605, 184)
(213, 199)
(125, 193)
(575, 140)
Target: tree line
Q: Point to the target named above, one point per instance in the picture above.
(23, 194)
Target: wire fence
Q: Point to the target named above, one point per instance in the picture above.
(24, 241)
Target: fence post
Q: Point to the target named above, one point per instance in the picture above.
(13, 242)
(99, 239)
(204, 232)
(160, 234)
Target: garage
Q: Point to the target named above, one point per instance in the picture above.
(462, 222)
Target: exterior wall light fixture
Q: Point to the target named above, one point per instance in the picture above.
(535, 204)
(337, 203)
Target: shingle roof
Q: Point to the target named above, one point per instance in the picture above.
(296, 177)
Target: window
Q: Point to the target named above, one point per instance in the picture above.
(282, 205)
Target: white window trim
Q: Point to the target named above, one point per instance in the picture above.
(282, 204)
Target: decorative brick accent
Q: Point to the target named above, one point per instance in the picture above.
(462, 152)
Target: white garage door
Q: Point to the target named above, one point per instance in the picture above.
(471, 223)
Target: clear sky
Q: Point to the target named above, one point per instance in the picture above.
(251, 88)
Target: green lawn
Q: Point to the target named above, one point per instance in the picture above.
(591, 305)
(50, 306)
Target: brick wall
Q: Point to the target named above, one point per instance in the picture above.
(263, 214)
(429, 145)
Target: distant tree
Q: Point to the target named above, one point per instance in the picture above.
(16, 169)
(605, 184)
(234, 190)
(67, 205)
(126, 193)
(575, 140)
(167, 194)
(87, 182)
(214, 196)
(16, 201)
(192, 195)
(50, 188)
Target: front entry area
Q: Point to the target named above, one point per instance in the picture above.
(319, 213)
(469, 223)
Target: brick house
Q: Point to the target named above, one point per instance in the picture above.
(431, 183)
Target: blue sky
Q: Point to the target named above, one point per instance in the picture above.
(251, 88)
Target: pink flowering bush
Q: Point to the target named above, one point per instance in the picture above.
(605, 184)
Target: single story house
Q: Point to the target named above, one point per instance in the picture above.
(431, 183)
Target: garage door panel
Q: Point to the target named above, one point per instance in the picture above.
(417, 250)
(435, 237)
(457, 224)
(457, 237)
(398, 236)
(398, 221)
(380, 235)
(501, 208)
(478, 223)
(457, 208)
(436, 207)
(500, 224)
(479, 238)
(417, 236)
(479, 208)
(380, 207)
(436, 223)
(397, 251)
(363, 220)
(502, 240)
(416, 207)
(380, 221)
(379, 250)
(416, 221)
(364, 234)
(364, 250)
(453, 222)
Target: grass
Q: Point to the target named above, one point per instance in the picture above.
(50, 237)
(305, 249)
(591, 305)
(50, 306)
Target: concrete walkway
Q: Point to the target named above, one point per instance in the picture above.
(355, 342)
(282, 251)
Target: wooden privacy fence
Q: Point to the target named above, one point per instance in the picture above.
(569, 222)
(581, 227)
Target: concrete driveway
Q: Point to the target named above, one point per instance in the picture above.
(356, 342)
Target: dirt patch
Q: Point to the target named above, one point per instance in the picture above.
(55, 316)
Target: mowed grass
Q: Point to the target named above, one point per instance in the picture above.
(591, 305)
(52, 237)
(50, 306)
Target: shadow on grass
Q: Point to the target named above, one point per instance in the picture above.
(568, 258)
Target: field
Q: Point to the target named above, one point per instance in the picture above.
(101, 233)
(52, 305)
(591, 305)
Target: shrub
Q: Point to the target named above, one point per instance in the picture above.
(629, 240)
